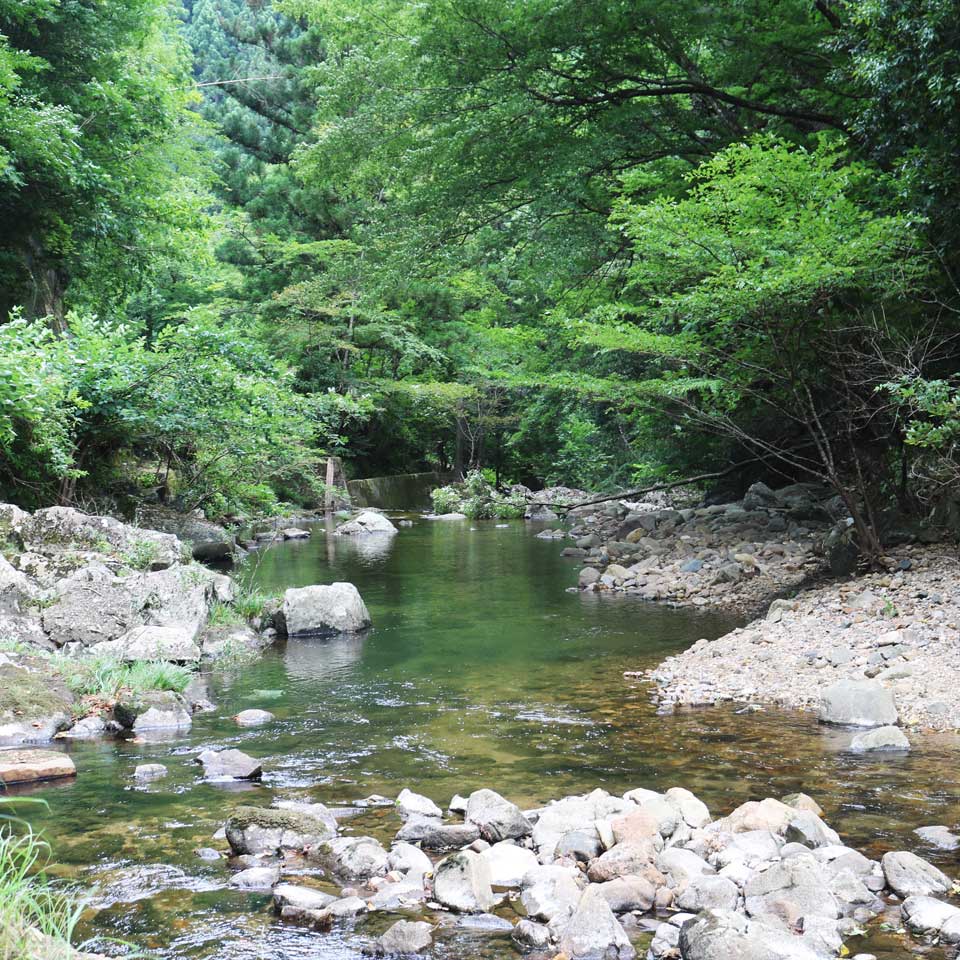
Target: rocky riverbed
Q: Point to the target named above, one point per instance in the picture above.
(590, 877)
(901, 630)
(736, 556)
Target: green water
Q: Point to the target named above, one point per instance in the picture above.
(481, 670)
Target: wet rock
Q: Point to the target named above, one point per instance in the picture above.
(531, 936)
(888, 739)
(229, 765)
(939, 836)
(353, 858)
(256, 878)
(253, 718)
(708, 893)
(927, 916)
(859, 703)
(496, 818)
(155, 710)
(462, 882)
(405, 937)
(550, 891)
(149, 771)
(86, 729)
(408, 859)
(594, 933)
(366, 523)
(290, 899)
(259, 830)
(508, 863)
(724, 933)
(625, 894)
(432, 834)
(909, 875)
(347, 907)
(410, 804)
(400, 895)
(582, 845)
(27, 766)
(324, 610)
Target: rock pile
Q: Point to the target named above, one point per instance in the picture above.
(899, 630)
(587, 877)
(734, 555)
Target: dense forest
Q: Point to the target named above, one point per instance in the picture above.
(600, 244)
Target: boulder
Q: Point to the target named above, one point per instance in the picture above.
(408, 859)
(550, 891)
(433, 834)
(909, 875)
(324, 610)
(399, 895)
(926, 915)
(65, 530)
(353, 858)
(575, 813)
(859, 703)
(625, 859)
(405, 937)
(692, 810)
(207, 541)
(410, 804)
(765, 815)
(290, 899)
(15, 589)
(790, 890)
(716, 934)
(253, 718)
(508, 863)
(256, 878)
(158, 710)
(708, 893)
(175, 644)
(365, 523)
(880, 739)
(529, 935)
(229, 765)
(28, 766)
(582, 845)
(462, 882)
(594, 933)
(625, 894)
(264, 830)
(496, 818)
(232, 642)
(149, 771)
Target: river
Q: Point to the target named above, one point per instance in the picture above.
(482, 669)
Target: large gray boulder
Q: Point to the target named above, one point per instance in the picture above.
(624, 894)
(508, 863)
(229, 765)
(353, 858)
(366, 522)
(405, 938)
(594, 933)
(880, 739)
(176, 644)
(716, 934)
(550, 891)
(575, 813)
(708, 893)
(64, 530)
(92, 605)
(207, 541)
(909, 875)
(462, 882)
(497, 818)
(790, 889)
(928, 916)
(264, 830)
(432, 834)
(859, 703)
(324, 610)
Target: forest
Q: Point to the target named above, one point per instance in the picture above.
(599, 244)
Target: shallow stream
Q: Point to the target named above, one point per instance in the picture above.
(481, 670)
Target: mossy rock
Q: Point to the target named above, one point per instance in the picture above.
(256, 830)
(29, 695)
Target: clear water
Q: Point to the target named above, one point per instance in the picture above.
(481, 670)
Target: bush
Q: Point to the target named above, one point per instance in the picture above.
(477, 499)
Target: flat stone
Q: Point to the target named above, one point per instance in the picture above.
(252, 718)
(27, 766)
(229, 764)
(149, 771)
(880, 739)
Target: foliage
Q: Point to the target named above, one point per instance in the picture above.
(104, 678)
(477, 499)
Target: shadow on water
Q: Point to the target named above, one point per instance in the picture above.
(482, 670)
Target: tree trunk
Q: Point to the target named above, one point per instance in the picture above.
(48, 286)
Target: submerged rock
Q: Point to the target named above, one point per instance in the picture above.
(149, 771)
(324, 610)
(880, 739)
(27, 766)
(253, 718)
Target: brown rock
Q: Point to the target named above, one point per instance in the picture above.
(26, 766)
(635, 827)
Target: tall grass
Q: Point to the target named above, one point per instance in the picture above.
(105, 677)
(37, 919)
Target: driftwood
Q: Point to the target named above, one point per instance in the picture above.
(629, 494)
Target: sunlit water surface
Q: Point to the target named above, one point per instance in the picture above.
(481, 670)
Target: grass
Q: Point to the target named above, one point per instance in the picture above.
(248, 605)
(104, 678)
(37, 918)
